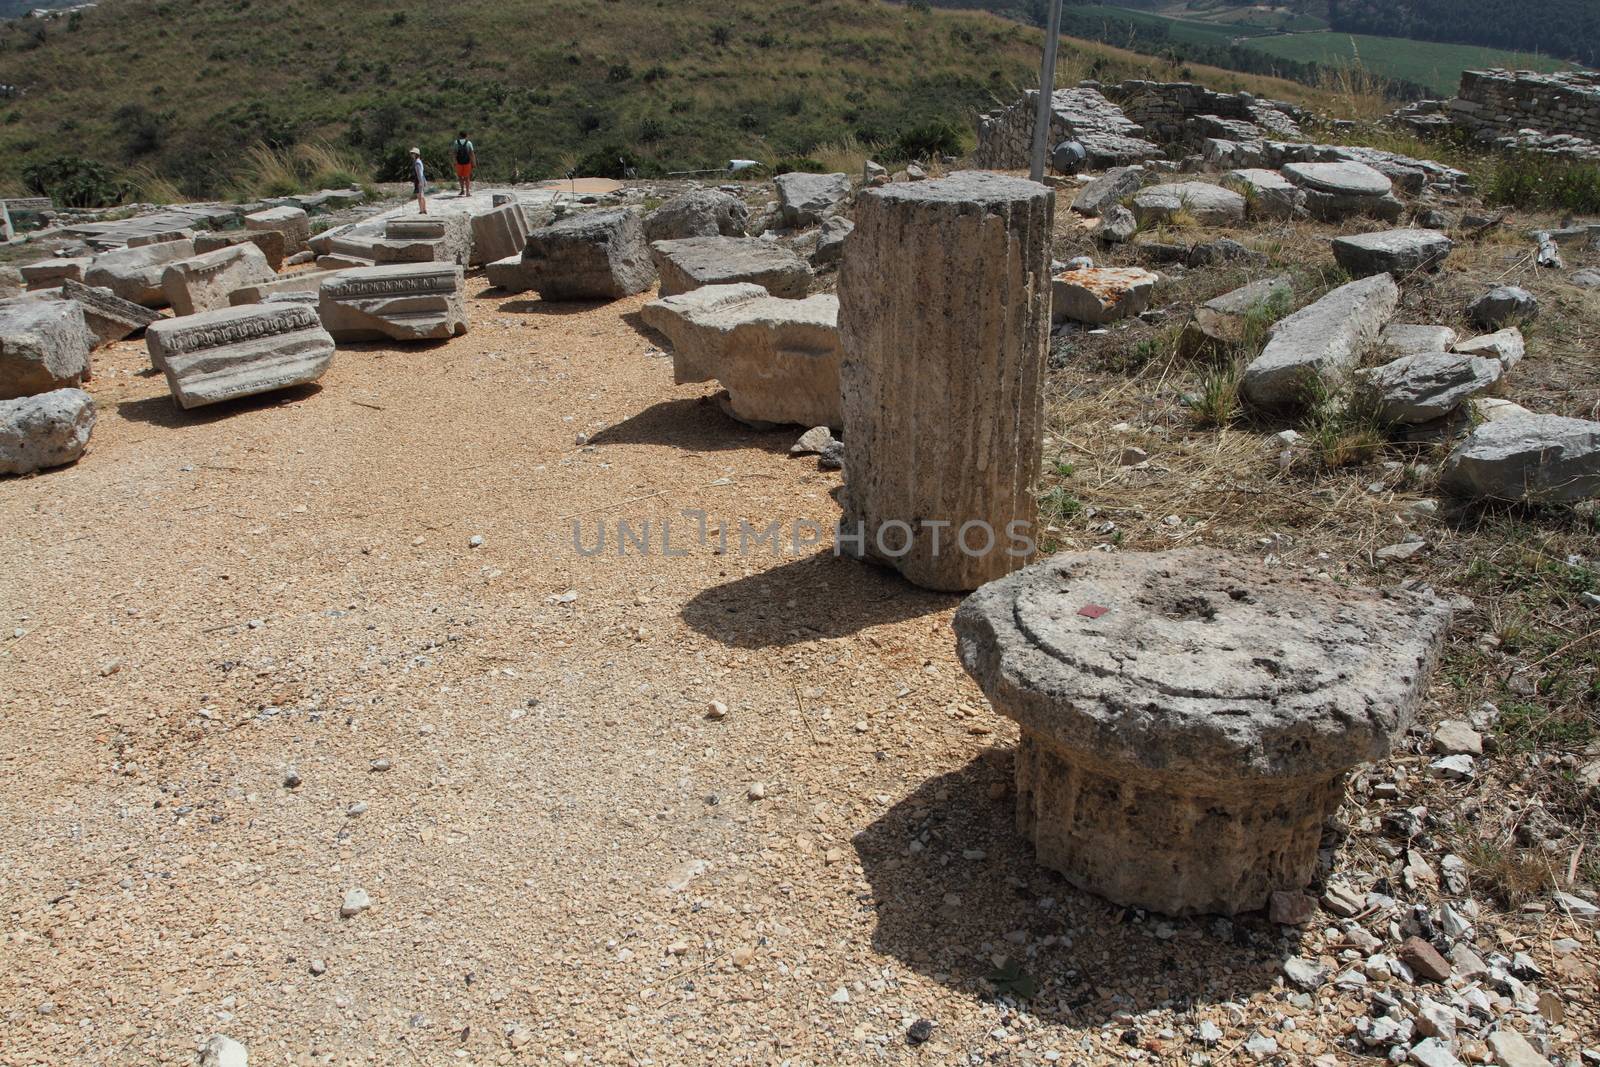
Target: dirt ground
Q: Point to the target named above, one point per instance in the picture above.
(510, 746)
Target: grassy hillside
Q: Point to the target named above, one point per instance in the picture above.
(181, 88)
(1435, 65)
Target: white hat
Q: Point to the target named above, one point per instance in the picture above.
(416, 151)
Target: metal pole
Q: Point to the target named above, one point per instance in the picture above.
(1047, 88)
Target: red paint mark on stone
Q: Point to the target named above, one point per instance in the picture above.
(1092, 611)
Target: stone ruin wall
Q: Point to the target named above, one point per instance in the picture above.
(1506, 102)
(1005, 137)
(1186, 113)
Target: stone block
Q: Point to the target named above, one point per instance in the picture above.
(1109, 190)
(134, 274)
(49, 273)
(425, 239)
(806, 199)
(240, 351)
(1420, 388)
(44, 346)
(271, 243)
(1209, 205)
(294, 223)
(1223, 323)
(1406, 339)
(1396, 252)
(44, 430)
(108, 316)
(696, 261)
(1538, 459)
(498, 233)
(1098, 295)
(697, 213)
(1268, 194)
(1314, 350)
(306, 281)
(595, 255)
(204, 282)
(509, 275)
(404, 302)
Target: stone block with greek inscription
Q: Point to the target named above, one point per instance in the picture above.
(400, 302)
(242, 351)
(205, 282)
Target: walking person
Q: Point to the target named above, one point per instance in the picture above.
(466, 162)
(419, 181)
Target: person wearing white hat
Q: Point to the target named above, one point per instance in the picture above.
(419, 181)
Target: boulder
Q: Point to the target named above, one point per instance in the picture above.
(205, 282)
(1421, 388)
(45, 430)
(806, 199)
(874, 174)
(1397, 252)
(1098, 295)
(1109, 190)
(1267, 194)
(271, 243)
(1117, 226)
(510, 275)
(1406, 339)
(778, 359)
(1209, 205)
(108, 316)
(1505, 345)
(1504, 305)
(293, 222)
(697, 213)
(595, 255)
(49, 273)
(134, 274)
(241, 351)
(696, 261)
(498, 233)
(400, 302)
(1316, 348)
(44, 345)
(1225, 322)
(830, 242)
(1225, 250)
(1541, 459)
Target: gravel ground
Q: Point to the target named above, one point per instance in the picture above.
(705, 808)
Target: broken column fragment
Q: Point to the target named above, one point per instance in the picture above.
(241, 351)
(1188, 717)
(944, 314)
(400, 302)
(778, 359)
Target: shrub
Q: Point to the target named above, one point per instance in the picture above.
(72, 181)
(1537, 180)
(927, 141)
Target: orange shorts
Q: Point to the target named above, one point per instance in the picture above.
(463, 171)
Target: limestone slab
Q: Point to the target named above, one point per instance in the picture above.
(1316, 348)
(271, 243)
(1427, 386)
(498, 233)
(49, 273)
(1341, 179)
(1268, 194)
(1209, 205)
(1542, 459)
(1408, 339)
(305, 281)
(293, 222)
(696, 261)
(134, 274)
(1098, 295)
(697, 213)
(108, 316)
(1223, 322)
(1397, 252)
(806, 199)
(45, 430)
(597, 255)
(205, 282)
(402, 302)
(240, 351)
(1109, 190)
(1507, 345)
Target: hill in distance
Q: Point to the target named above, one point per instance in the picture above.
(180, 89)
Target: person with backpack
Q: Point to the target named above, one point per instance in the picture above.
(466, 161)
(419, 181)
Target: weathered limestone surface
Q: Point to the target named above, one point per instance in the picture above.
(688, 264)
(205, 282)
(135, 273)
(271, 243)
(830, 240)
(402, 302)
(1507, 346)
(306, 281)
(241, 351)
(292, 221)
(1406, 339)
(108, 316)
(697, 213)
(1318, 345)
(1109, 190)
(1504, 305)
(49, 273)
(597, 255)
(1430, 385)
(44, 345)
(510, 275)
(45, 430)
(1267, 193)
(1343, 189)
(945, 320)
(1098, 295)
(1222, 322)
(778, 359)
(807, 199)
(424, 239)
(1210, 205)
(1542, 459)
(498, 233)
(1188, 717)
(1397, 252)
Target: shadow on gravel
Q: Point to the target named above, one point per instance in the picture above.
(997, 924)
(165, 411)
(526, 306)
(696, 425)
(815, 597)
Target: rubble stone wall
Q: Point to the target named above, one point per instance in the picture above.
(1110, 138)
(1167, 112)
(1510, 101)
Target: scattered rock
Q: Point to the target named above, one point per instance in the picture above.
(1452, 737)
(1454, 768)
(44, 430)
(1424, 959)
(108, 316)
(1222, 323)
(813, 442)
(1291, 909)
(1511, 1049)
(222, 1051)
(757, 791)
(806, 199)
(44, 346)
(293, 222)
(1208, 205)
(1099, 295)
(1432, 1052)
(1405, 339)
(291, 778)
(1109, 190)
(204, 282)
(1396, 252)
(1117, 226)
(593, 255)
(1534, 458)
(1318, 345)
(355, 902)
(697, 213)
(1267, 193)
(919, 1032)
(690, 264)
(830, 242)
(1421, 388)
(1505, 305)
(134, 274)
(498, 233)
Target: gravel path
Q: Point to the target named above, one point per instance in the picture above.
(262, 663)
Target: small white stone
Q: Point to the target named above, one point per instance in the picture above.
(757, 790)
(356, 901)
